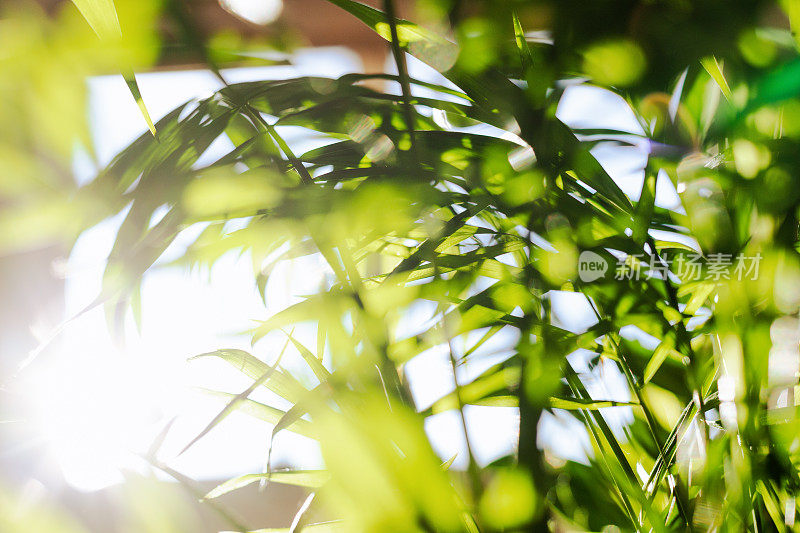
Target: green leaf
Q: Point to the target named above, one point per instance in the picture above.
(315, 364)
(279, 382)
(311, 479)
(265, 412)
(773, 507)
(486, 336)
(447, 464)
(588, 169)
(714, 70)
(426, 45)
(308, 309)
(486, 389)
(526, 57)
(102, 17)
(133, 87)
(660, 354)
(292, 416)
(236, 400)
(557, 402)
(699, 294)
(644, 208)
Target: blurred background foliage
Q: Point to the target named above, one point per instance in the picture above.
(405, 207)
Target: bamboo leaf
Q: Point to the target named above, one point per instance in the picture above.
(265, 412)
(280, 382)
(315, 364)
(447, 464)
(526, 57)
(662, 351)
(424, 44)
(236, 400)
(644, 208)
(310, 479)
(102, 17)
(712, 66)
(486, 389)
(133, 87)
(586, 403)
(699, 296)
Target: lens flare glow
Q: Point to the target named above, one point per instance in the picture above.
(256, 11)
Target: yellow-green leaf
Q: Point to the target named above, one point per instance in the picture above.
(102, 17)
(714, 70)
(311, 479)
(585, 403)
(659, 356)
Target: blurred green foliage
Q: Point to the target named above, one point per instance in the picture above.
(405, 210)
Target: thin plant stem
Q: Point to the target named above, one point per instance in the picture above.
(590, 421)
(402, 72)
(648, 414)
(474, 472)
(685, 340)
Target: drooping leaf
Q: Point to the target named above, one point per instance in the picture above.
(236, 400)
(311, 479)
(279, 382)
(102, 17)
(264, 412)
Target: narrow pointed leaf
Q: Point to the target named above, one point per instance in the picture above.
(264, 412)
(584, 403)
(280, 382)
(311, 479)
(660, 355)
(102, 17)
(133, 87)
(235, 400)
(714, 70)
(315, 364)
(522, 45)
